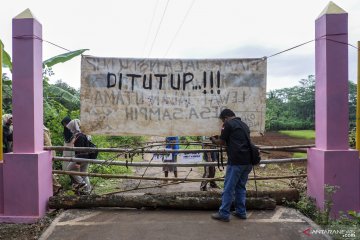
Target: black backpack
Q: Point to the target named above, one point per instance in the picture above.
(254, 150)
(88, 143)
(255, 154)
(93, 154)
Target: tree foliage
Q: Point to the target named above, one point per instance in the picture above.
(6, 60)
(294, 108)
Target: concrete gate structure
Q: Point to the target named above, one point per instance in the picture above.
(331, 162)
(25, 174)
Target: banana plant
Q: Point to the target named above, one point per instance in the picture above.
(47, 63)
(49, 89)
(62, 58)
(6, 60)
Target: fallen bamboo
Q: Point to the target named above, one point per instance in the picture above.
(134, 164)
(164, 178)
(162, 164)
(203, 201)
(286, 147)
(131, 151)
(283, 160)
(163, 151)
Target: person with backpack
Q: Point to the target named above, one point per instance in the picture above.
(209, 171)
(234, 135)
(172, 143)
(67, 134)
(7, 133)
(81, 184)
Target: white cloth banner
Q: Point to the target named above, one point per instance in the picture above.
(170, 97)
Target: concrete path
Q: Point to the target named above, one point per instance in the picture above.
(131, 224)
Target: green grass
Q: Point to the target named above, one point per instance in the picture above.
(299, 155)
(307, 134)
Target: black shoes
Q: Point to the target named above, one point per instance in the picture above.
(238, 215)
(218, 217)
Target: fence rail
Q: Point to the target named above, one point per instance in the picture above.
(162, 164)
(162, 151)
(169, 178)
(147, 149)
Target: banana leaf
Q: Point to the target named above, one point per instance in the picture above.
(6, 60)
(65, 95)
(62, 58)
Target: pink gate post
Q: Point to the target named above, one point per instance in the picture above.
(25, 174)
(331, 162)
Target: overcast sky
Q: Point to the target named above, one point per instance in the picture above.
(189, 29)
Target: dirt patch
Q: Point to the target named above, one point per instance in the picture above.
(278, 139)
(26, 231)
(286, 169)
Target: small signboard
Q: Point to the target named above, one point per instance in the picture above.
(181, 157)
(190, 157)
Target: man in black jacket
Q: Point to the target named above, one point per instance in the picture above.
(233, 135)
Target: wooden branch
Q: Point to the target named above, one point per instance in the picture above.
(164, 178)
(203, 201)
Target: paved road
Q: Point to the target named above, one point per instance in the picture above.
(131, 224)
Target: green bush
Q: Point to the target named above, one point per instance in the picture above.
(306, 206)
(352, 138)
(288, 124)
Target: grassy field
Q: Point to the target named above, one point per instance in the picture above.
(299, 155)
(307, 134)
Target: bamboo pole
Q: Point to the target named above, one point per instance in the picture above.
(170, 179)
(162, 164)
(286, 147)
(163, 151)
(283, 160)
(127, 151)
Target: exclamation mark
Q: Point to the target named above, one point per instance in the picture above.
(211, 82)
(204, 81)
(218, 81)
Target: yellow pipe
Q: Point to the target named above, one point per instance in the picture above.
(358, 102)
(1, 129)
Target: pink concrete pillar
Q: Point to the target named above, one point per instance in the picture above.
(331, 162)
(26, 181)
(1, 189)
